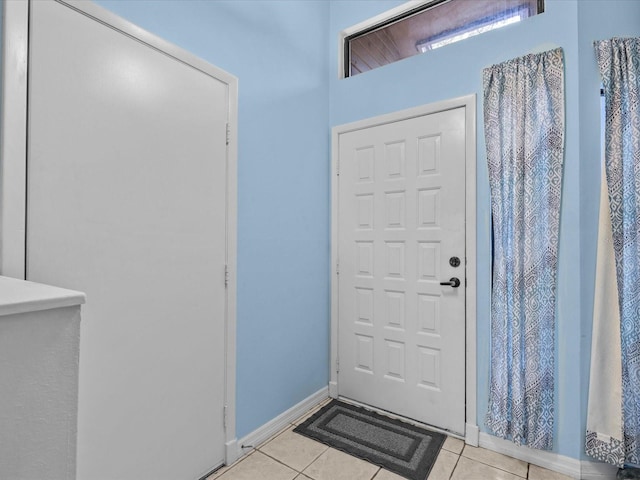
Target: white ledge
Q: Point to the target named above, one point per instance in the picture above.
(20, 296)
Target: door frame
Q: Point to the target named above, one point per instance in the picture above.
(13, 163)
(469, 103)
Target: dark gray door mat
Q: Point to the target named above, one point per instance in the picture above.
(400, 447)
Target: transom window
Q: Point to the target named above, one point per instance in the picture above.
(431, 25)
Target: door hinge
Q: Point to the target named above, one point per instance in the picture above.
(224, 416)
(228, 133)
(338, 168)
(226, 276)
(338, 268)
(337, 365)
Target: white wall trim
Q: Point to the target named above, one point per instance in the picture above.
(472, 429)
(597, 471)
(335, 279)
(260, 435)
(13, 159)
(469, 103)
(472, 434)
(550, 460)
(232, 262)
(333, 389)
(13, 143)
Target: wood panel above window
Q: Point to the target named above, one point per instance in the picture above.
(429, 26)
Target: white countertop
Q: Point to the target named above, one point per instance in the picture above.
(20, 296)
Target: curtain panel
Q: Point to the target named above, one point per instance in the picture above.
(604, 415)
(524, 132)
(619, 64)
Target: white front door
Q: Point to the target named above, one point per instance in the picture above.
(127, 202)
(401, 229)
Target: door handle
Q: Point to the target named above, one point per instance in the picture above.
(453, 282)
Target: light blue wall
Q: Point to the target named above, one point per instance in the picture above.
(596, 21)
(456, 70)
(285, 55)
(279, 51)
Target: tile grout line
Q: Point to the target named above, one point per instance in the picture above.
(233, 465)
(281, 462)
(450, 451)
(498, 468)
(289, 466)
(300, 472)
(331, 448)
(452, 470)
(275, 435)
(376, 474)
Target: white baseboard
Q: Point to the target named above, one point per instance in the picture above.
(549, 460)
(253, 440)
(471, 435)
(584, 470)
(597, 471)
(333, 389)
(231, 453)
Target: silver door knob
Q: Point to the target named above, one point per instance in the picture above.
(453, 282)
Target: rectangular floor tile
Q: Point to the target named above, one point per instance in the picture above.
(336, 465)
(453, 444)
(444, 466)
(468, 469)
(259, 466)
(224, 469)
(539, 473)
(293, 449)
(494, 459)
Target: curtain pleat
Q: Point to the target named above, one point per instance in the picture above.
(619, 63)
(524, 132)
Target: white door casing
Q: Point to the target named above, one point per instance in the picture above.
(132, 198)
(400, 197)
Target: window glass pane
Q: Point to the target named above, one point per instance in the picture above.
(433, 26)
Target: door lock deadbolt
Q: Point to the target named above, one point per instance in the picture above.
(454, 261)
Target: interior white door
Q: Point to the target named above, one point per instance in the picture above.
(126, 202)
(401, 222)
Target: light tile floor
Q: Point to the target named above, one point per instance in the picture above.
(289, 456)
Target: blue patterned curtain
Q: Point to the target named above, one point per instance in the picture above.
(524, 131)
(619, 62)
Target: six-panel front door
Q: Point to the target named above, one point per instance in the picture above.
(401, 227)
